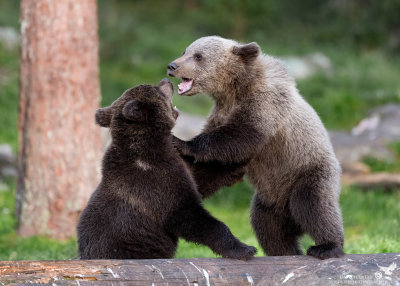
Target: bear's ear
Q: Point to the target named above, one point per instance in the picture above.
(132, 111)
(247, 52)
(103, 116)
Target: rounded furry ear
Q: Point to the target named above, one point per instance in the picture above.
(133, 112)
(103, 116)
(247, 52)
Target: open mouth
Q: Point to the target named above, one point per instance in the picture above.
(185, 85)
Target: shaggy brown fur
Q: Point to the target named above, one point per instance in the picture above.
(260, 118)
(147, 197)
(213, 175)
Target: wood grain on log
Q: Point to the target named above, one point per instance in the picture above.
(59, 145)
(356, 269)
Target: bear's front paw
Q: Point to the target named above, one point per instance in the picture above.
(241, 252)
(179, 145)
(325, 251)
(182, 147)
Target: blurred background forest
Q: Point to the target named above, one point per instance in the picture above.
(358, 40)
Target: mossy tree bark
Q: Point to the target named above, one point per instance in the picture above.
(59, 144)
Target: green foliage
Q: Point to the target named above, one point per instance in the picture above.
(9, 13)
(396, 148)
(357, 83)
(137, 43)
(356, 23)
(8, 96)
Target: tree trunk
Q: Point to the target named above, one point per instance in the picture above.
(59, 145)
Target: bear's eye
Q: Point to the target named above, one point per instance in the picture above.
(198, 57)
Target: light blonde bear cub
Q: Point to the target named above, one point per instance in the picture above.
(260, 118)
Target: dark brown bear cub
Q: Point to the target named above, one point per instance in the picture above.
(147, 197)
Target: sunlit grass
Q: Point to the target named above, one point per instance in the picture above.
(371, 219)
(378, 165)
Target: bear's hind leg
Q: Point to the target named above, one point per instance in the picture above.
(318, 214)
(277, 233)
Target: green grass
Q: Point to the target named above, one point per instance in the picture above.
(359, 81)
(371, 219)
(13, 247)
(378, 165)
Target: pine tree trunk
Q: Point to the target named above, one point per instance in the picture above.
(59, 145)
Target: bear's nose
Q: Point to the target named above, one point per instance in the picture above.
(172, 66)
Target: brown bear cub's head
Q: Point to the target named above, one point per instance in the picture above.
(144, 107)
(213, 65)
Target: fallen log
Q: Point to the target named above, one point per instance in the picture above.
(385, 181)
(367, 269)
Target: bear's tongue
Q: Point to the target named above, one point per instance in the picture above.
(185, 85)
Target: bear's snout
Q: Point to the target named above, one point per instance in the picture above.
(172, 67)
